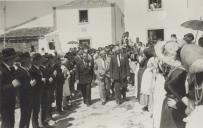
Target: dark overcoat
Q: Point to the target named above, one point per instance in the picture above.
(84, 73)
(120, 73)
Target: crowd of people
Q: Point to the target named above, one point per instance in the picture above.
(160, 72)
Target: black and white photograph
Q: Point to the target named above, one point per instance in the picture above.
(101, 63)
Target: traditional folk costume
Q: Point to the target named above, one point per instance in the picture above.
(190, 57)
(174, 85)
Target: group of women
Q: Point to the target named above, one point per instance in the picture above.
(169, 83)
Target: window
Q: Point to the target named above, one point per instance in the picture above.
(155, 34)
(155, 5)
(52, 45)
(83, 16)
(84, 43)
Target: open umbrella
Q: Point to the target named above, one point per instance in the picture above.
(193, 24)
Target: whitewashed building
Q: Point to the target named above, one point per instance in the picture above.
(94, 23)
(160, 18)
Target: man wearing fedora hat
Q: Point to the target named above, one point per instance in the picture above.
(8, 85)
(36, 77)
(59, 79)
(52, 60)
(47, 83)
(25, 88)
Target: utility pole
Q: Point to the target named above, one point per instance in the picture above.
(187, 3)
(4, 13)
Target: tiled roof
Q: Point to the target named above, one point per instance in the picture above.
(85, 4)
(28, 32)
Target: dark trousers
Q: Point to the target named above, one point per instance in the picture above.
(132, 78)
(44, 104)
(59, 96)
(119, 91)
(35, 107)
(112, 89)
(72, 82)
(86, 93)
(8, 109)
(25, 109)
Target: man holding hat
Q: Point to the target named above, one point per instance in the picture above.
(59, 81)
(52, 60)
(8, 85)
(47, 84)
(36, 77)
(25, 88)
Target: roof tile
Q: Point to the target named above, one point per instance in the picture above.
(28, 32)
(85, 4)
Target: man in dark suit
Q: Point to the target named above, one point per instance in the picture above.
(84, 76)
(59, 81)
(25, 89)
(71, 67)
(8, 85)
(119, 73)
(47, 83)
(51, 83)
(45, 90)
(36, 78)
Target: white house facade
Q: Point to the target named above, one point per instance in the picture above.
(96, 23)
(143, 18)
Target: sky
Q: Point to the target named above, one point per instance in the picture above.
(19, 11)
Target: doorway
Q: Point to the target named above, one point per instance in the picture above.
(84, 43)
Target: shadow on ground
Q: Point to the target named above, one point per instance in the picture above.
(63, 121)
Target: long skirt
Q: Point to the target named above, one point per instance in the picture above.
(66, 88)
(134, 70)
(140, 74)
(148, 80)
(172, 118)
(158, 98)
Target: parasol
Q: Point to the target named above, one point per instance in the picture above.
(193, 24)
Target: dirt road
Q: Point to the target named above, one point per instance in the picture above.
(127, 115)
